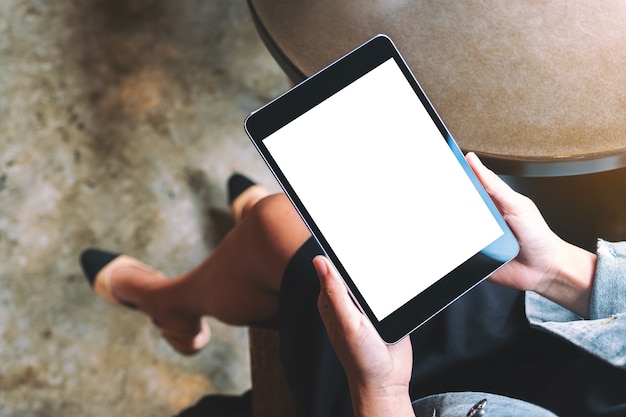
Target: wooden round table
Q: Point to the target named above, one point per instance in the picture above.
(535, 88)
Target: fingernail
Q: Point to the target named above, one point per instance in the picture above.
(475, 157)
(320, 265)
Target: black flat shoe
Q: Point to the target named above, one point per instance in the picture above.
(93, 260)
(242, 192)
(99, 266)
(237, 184)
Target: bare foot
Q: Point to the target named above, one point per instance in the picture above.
(129, 282)
(246, 200)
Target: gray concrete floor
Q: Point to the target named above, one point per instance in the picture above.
(119, 123)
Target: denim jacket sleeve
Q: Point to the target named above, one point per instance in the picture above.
(604, 333)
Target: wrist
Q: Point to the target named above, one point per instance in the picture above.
(382, 401)
(570, 285)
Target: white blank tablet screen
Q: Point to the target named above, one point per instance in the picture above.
(373, 171)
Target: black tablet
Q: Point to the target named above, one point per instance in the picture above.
(383, 187)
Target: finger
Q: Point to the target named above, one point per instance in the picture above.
(334, 301)
(507, 199)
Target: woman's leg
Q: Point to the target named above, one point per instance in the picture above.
(238, 283)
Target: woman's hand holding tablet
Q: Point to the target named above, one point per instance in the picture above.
(383, 187)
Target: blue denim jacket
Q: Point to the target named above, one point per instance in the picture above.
(602, 335)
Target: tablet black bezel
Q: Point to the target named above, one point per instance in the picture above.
(317, 88)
